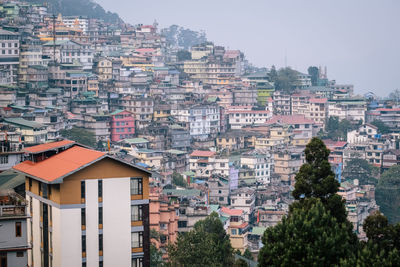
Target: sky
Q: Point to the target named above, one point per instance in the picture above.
(357, 40)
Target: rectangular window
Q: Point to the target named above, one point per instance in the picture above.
(83, 243)
(20, 254)
(83, 189)
(100, 242)
(18, 229)
(100, 188)
(137, 239)
(136, 213)
(136, 186)
(100, 215)
(83, 216)
(137, 262)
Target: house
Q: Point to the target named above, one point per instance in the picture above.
(352, 109)
(244, 199)
(363, 134)
(32, 133)
(204, 121)
(244, 116)
(122, 125)
(9, 57)
(237, 227)
(218, 190)
(84, 205)
(261, 161)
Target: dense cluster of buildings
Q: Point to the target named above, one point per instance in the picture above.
(211, 120)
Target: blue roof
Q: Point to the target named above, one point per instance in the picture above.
(141, 164)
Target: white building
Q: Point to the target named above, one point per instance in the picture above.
(244, 199)
(204, 121)
(349, 109)
(261, 161)
(9, 57)
(239, 117)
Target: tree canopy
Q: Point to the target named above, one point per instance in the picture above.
(178, 180)
(206, 245)
(309, 236)
(285, 79)
(80, 135)
(358, 168)
(382, 127)
(337, 130)
(314, 73)
(388, 193)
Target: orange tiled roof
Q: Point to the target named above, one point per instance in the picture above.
(231, 212)
(59, 165)
(48, 146)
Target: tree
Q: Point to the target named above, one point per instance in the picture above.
(395, 96)
(240, 263)
(314, 73)
(388, 193)
(337, 130)
(382, 127)
(80, 135)
(247, 254)
(273, 75)
(183, 55)
(178, 180)
(309, 236)
(358, 168)
(316, 179)
(206, 245)
(285, 80)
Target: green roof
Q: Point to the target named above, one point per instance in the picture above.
(223, 219)
(212, 99)
(214, 207)
(116, 112)
(24, 123)
(176, 127)
(182, 192)
(189, 173)
(136, 140)
(10, 179)
(175, 151)
(258, 230)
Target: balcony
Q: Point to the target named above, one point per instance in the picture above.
(12, 205)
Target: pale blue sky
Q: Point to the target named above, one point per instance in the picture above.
(358, 40)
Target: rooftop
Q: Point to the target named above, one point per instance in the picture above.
(49, 146)
(202, 153)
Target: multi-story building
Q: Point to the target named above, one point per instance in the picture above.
(244, 199)
(390, 116)
(204, 121)
(122, 124)
(352, 109)
(30, 55)
(318, 111)
(72, 21)
(142, 107)
(13, 231)
(261, 161)
(202, 163)
(32, 133)
(237, 227)
(245, 116)
(86, 208)
(282, 103)
(9, 57)
(363, 134)
(103, 68)
(288, 162)
(218, 190)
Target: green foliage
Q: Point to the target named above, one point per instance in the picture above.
(273, 75)
(181, 37)
(247, 254)
(155, 256)
(285, 80)
(314, 73)
(388, 193)
(382, 127)
(183, 55)
(85, 8)
(206, 245)
(309, 236)
(240, 263)
(80, 135)
(358, 168)
(337, 130)
(178, 180)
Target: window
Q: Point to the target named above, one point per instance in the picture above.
(83, 216)
(136, 186)
(18, 229)
(100, 242)
(137, 239)
(233, 231)
(100, 215)
(182, 224)
(83, 243)
(82, 189)
(20, 254)
(137, 262)
(100, 188)
(136, 213)
(4, 159)
(3, 259)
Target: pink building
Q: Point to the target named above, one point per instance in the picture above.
(122, 125)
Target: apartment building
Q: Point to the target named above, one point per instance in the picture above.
(86, 208)
(352, 109)
(122, 124)
(9, 57)
(204, 121)
(202, 163)
(32, 133)
(244, 199)
(239, 117)
(261, 161)
(237, 227)
(318, 111)
(288, 162)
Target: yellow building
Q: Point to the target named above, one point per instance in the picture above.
(103, 68)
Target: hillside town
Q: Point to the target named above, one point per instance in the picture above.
(197, 131)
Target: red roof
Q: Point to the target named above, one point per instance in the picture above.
(319, 100)
(388, 109)
(231, 212)
(241, 111)
(290, 119)
(240, 226)
(59, 165)
(48, 146)
(201, 153)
